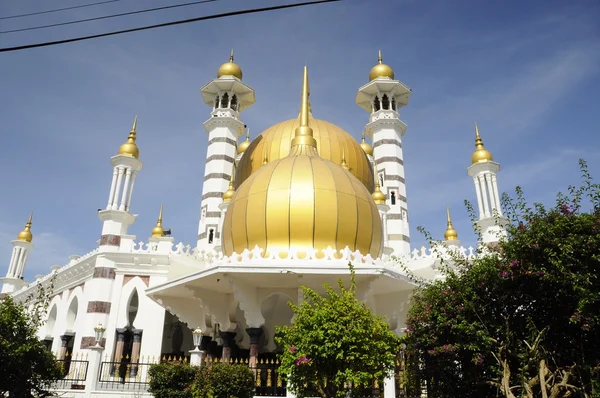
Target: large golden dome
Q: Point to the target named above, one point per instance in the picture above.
(332, 142)
(302, 202)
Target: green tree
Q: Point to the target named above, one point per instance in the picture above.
(522, 320)
(333, 342)
(27, 367)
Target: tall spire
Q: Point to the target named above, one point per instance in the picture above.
(450, 233)
(379, 58)
(231, 56)
(158, 230)
(25, 235)
(304, 133)
(481, 154)
(130, 147)
(231, 190)
(378, 196)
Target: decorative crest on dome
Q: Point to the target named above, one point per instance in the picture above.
(130, 147)
(25, 235)
(303, 136)
(158, 230)
(450, 233)
(231, 190)
(344, 164)
(368, 149)
(481, 154)
(378, 196)
(381, 69)
(245, 144)
(230, 68)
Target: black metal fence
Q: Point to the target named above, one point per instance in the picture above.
(75, 373)
(269, 382)
(124, 376)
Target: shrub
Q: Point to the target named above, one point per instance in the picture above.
(171, 380)
(231, 381)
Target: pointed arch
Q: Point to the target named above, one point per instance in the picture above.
(74, 306)
(51, 320)
(385, 102)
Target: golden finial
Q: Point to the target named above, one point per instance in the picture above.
(304, 133)
(450, 233)
(378, 196)
(481, 154)
(158, 230)
(129, 148)
(265, 160)
(381, 69)
(245, 144)
(230, 68)
(231, 190)
(368, 149)
(25, 235)
(344, 164)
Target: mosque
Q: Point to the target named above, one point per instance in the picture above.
(290, 208)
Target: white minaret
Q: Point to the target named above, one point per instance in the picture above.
(483, 169)
(116, 217)
(21, 246)
(228, 96)
(382, 97)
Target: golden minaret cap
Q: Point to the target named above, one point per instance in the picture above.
(450, 233)
(303, 136)
(158, 230)
(231, 190)
(365, 146)
(130, 148)
(481, 154)
(381, 70)
(25, 235)
(245, 144)
(230, 68)
(378, 196)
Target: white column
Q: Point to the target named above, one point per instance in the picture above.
(19, 265)
(94, 361)
(113, 185)
(118, 190)
(496, 195)
(125, 189)
(478, 192)
(13, 262)
(389, 386)
(25, 255)
(493, 204)
(133, 175)
(484, 196)
(384, 225)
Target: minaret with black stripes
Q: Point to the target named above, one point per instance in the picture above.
(228, 96)
(382, 97)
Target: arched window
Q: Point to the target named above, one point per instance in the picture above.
(51, 321)
(72, 314)
(217, 102)
(376, 104)
(211, 235)
(234, 103)
(225, 101)
(132, 307)
(393, 197)
(394, 103)
(385, 102)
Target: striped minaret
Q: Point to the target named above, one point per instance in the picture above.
(228, 96)
(382, 97)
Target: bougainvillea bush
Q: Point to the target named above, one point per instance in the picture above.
(335, 341)
(523, 320)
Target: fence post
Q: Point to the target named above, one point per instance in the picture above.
(389, 386)
(94, 361)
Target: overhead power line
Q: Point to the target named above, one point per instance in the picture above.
(107, 16)
(60, 9)
(178, 22)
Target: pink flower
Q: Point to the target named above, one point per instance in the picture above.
(292, 349)
(302, 361)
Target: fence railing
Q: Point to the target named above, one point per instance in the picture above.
(123, 376)
(75, 373)
(268, 380)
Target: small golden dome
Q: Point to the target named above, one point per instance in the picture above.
(365, 146)
(381, 70)
(378, 196)
(230, 68)
(450, 233)
(241, 148)
(481, 154)
(158, 231)
(302, 202)
(230, 191)
(130, 148)
(25, 235)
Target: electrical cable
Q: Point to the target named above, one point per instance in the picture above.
(60, 9)
(107, 16)
(178, 22)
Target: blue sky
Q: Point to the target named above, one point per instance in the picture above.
(527, 72)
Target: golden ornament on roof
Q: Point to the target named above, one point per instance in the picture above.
(302, 202)
(230, 191)
(25, 235)
(365, 146)
(378, 196)
(130, 148)
(381, 70)
(158, 231)
(241, 148)
(450, 233)
(481, 154)
(230, 68)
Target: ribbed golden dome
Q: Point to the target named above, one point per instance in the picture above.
(381, 70)
(230, 68)
(25, 235)
(242, 146)
(130, 148)
(302, 202)
(365, 146)
(481, 154)
(158, 231)
(274, 143)
(450, 233)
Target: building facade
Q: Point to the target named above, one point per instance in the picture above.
(289, 208)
